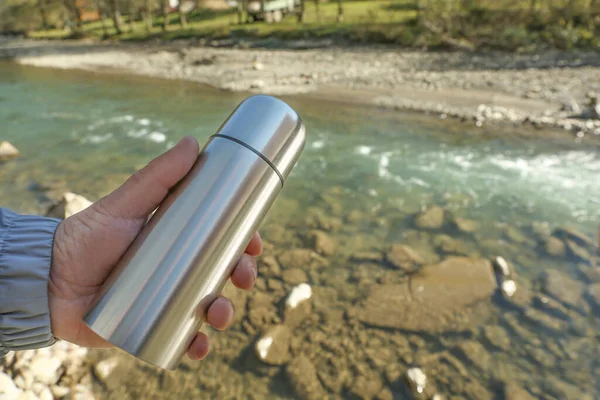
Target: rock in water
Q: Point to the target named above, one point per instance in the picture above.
(297, 305)
(303, 378)
(567, 232)
(497, 336)
(294, 276)
(404, 258)
(300, 258)
(104, 368)
(8, 389)
(512, 391)
(322, 243)
(70, 204)
(7, 151)
(579, 253)
(416, 379)
(509, 288)
(555, 247)
(501, 267)
(594, 296)
(274, 346)
(474, 353)
(465, 225)
(432, 218)
(435, 294)
(564, 289)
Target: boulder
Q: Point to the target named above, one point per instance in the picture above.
(303, 378)
(563, 288)
(8, 151)
(433, 297)
(69, 204)
(322, 243)
(273, 347)
(404, 258)
(432, 218)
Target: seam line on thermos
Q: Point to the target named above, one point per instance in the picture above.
(258, 153)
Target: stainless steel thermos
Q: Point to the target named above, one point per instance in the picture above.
(156, 298)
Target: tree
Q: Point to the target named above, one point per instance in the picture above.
(133, 6)
(301, 12)
(42, 7)
(102, 11)
(317, 10)
(165, 13)
(74, 12)
(116, 15)
(340, 15)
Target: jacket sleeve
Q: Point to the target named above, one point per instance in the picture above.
(26, 243)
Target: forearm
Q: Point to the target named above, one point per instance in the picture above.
(26, 243)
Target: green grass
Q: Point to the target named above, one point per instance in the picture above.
(487, 24)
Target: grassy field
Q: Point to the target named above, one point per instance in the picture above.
(493, 24)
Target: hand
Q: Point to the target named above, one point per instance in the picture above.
(89, 244)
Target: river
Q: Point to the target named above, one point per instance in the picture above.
(363, 176)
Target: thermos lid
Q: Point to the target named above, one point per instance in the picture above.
(270, 127)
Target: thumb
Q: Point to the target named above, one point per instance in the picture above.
(146, 189)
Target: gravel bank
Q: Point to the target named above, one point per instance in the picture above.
(553, 89)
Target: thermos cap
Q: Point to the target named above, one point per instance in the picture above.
(269, 127)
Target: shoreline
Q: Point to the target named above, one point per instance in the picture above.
(544, 91)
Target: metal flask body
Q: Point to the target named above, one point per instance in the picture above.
(156, 298)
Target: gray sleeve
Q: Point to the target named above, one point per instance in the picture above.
(25, 256)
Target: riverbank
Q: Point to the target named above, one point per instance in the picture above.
(547, 90)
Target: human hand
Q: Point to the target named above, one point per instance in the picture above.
(88, 245)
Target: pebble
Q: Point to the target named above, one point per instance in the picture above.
(299, 294)
(417, 379)
(509, 288)
(501, 266)
(7, 151)
(69, 204)
(104, 368)
(46, 369)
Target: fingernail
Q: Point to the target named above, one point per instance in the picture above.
(254, 269)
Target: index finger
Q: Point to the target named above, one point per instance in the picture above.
(254, 247)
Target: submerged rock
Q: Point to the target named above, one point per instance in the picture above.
(8, 151)
(432, 298)
(303, 378)
(432, 218)
(501, 267)
(512, 391)
(594, 296)
(294, 276)
(298, 305)
(555, 247)
(496, 336)
(449, 245)
(563, 288)
(69, 204)
(570, 233)
(416, 379)
(578, 252)
(274, 345)
(474, 353)
(366, 387)
(508, 288)
(404, 258)
(591, 274)
(300, 258)
(465, 225)
(322, 243)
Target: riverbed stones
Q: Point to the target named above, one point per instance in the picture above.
(435, 294)
(268, 266)
(448, 245)
(555, 247)
(563, 288)
(404, 258)
(69, 204)
(273, 347)
(366, 386)
(8, 151)
(322, 243)
(591, 274)
(430, 219)
(303, 378)
(8, 388)
(46, 369)
(512, 391)
(294, 276)
(578, 252)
